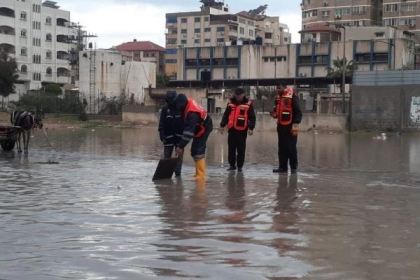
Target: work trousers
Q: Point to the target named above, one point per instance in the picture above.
(287, 147)
(236, 147)
(198, 146)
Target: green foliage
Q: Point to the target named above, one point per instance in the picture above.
(337, 70)
(162, 80)
(8, 74)
(53, 89)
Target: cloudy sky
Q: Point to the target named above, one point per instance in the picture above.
(118, 21)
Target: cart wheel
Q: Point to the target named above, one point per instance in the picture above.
(7, 145)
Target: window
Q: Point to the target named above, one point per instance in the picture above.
(286, 39)
(408, 8)
(380, 57)
(305, 60)
(251, 33)
(48, 55)
(207, 40)
(197, 19)
(310, 13)
(206, 19)
(325, 13)
(220, 29)
(358, 10)
(23, 16)
(49, 71)
(36, 8)
(242, 21)
(171, 51)
(241, 30)
(48, 38)
(197, 30)
(208, 29)
(48, 21)
(197, 41)
(391, 21)
(171, 20)
(36, 25)
(171, 61)
(23, 33)
(323, 59)
(251, 23)
(183, 20)
(23, 52)
(24, 69)
(36, 59)
(391, 8)
(220, 40)
(36, 42)
(183, 31)
(183, 42)
(344, 11)
(407, 21)
(37, 76)
(171, 41)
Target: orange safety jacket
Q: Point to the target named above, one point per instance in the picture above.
(194, 107)
(238, 118)
(284, 107)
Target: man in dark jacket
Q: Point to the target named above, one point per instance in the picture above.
(170, 128)
(197, 127)
(240, 119)
(288, 114)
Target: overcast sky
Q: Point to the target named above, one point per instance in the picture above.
(118, 21)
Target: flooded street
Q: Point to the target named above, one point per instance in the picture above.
(88, 209)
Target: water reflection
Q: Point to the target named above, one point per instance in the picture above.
(351, 212)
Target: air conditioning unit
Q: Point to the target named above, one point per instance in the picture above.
(412, 24)
(221, 44)
(184, 35)
(197, 35)
(222, 33)
(302, 74)
(337, 16)
(325, 3)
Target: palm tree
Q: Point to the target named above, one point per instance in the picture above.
(336, 72)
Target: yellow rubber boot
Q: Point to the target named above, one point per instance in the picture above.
(200, 169)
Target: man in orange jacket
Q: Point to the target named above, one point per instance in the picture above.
(240, 119)
(289, 115)
(197, 127)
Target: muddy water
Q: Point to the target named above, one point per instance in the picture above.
(87, 209)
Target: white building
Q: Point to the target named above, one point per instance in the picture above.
(109, 74)
(39, 36)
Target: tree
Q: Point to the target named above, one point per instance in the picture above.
(8, 75)
(53, 89)
(162, 80)
(336, 72)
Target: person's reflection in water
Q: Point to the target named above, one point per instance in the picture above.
(286, 217)
(173, 207)
(235, 200)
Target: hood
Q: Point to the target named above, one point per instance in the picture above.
(181, 101)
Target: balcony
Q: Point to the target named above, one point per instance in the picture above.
(7, 39)
(24, 76)
(63, 79)
(8, 48)
(233, 32)
(61, 55)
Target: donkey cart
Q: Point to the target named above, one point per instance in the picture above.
(8, 136)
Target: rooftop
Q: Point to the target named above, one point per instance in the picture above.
(319, 27)
(140, 46)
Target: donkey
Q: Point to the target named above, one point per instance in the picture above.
(27, 121)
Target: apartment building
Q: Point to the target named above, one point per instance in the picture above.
(345, 12)
(145, 51)
(41, 38)
(214, 25)
(403, 14)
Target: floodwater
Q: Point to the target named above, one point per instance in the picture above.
(88, 209)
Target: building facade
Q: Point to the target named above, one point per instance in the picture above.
(404, 14)
(293, 60)
(145, 51)
(106, 74)
(214, 25)
(41, 38)
(346, 12)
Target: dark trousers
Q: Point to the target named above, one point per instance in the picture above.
(198, 146)
(167, 153)
(236, 147)
(287, 146)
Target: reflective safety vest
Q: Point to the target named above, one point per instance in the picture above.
(284, 107)
(192, 106)
(238, 118)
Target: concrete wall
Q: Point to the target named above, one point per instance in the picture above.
(393, 108)
(264, 122)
